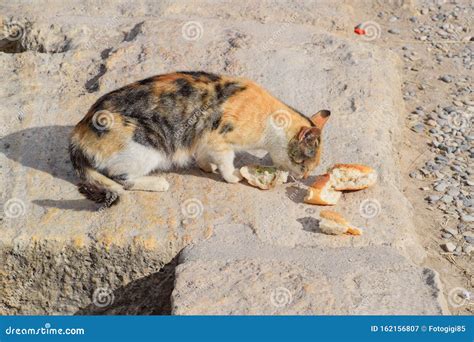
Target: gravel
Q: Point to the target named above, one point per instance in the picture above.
(447, 114)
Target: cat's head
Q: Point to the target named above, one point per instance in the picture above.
(304, 148)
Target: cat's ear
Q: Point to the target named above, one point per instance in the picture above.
(320, 118)
(308, 134)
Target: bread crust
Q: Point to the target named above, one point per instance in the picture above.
(316, 193)
(363, 176)
(248, 172)
(360, 167)
(321, 181)
(335, 217)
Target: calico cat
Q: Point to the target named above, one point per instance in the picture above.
(166, 120)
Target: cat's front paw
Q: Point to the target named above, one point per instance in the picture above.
(234, 177)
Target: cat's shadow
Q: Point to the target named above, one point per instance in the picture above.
(46, 149)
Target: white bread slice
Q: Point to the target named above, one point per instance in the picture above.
(322, 191)
(352, 176)
(263, 177)
(334, 224)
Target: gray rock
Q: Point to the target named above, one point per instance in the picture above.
(394, 31)
(449, 247)
(433, 198)
(452, 231)
(453, 191)
(449, 109)
(446, 78)
(467, 218)
(468, 249)
(447, 199)
(469, 239)
(441, 187)
(418, 128)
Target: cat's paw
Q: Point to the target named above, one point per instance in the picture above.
(234, 177)
(162, 185)
(208, 167)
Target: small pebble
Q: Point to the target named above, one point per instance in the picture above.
(469, 239)
(467, 218)
(446, 78)
(446, 199)
(468, 249)
(449, 247)
(433, 198)
(418, 128)
(452, 231)
(441, 187)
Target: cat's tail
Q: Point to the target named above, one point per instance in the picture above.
(100, 188)
(94, 185)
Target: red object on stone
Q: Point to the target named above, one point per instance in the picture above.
(358, 30)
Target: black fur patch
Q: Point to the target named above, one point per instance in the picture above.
(78, 159)
(171, 119)
(226, 90)
(202, 75)
(184, 87)
(148, 80)
(228, 127)
(98, 194)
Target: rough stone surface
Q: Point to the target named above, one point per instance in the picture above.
(57, 249)
(234, 274)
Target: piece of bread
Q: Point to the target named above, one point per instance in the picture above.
(352, 176)
(334, 224)
(322, 191)
(263, 177)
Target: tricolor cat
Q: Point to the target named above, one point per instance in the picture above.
(167, 120)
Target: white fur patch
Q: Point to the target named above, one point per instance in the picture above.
(136, 160)
(276, 143)
(181, 158)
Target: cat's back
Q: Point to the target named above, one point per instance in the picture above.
(176, 95)
(164, 111)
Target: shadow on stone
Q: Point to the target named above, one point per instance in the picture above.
(41, 148)
(310, 224)
(150, 295)
(295, 194)
(76, 205)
